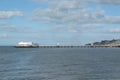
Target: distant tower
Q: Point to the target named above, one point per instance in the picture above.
(58, 44)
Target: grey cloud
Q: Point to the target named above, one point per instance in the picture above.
(10, 28)
(3, 35)
(115, 30)
(9, 14)
(116, 2)
(113, 19)
(2, 23)
(13, 28)
(94, 25)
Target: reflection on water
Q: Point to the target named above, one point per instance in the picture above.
(59, 63)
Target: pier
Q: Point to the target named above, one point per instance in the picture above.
(67, 46)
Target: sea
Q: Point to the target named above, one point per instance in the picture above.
(59, 63)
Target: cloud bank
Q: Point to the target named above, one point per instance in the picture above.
(74, 12)
(86, 1)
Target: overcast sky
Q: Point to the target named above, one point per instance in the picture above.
(69, 22)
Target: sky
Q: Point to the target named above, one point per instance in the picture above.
(67, 22)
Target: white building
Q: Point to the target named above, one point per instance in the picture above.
(25, 44)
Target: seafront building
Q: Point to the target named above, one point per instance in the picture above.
(27, 44)
(110, 43)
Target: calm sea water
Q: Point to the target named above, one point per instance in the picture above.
(59, 63)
